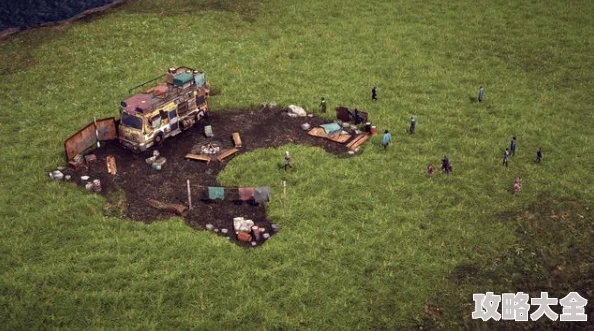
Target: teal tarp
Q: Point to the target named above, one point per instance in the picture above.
(216, 193)
(332, 127)
(182, 79)
(200, 79)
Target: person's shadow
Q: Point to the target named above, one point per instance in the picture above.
(473, 99)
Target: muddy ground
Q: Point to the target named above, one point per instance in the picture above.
(135, 182)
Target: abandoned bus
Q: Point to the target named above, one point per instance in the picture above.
(163, 109)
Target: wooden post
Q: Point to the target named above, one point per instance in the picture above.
(189, 195)
(284, 193)
(96, 132)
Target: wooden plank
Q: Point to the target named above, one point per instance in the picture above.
(199, 157)
(227, 153)
(111, 165)
(321, 133)
(360, 142)
(357, 138)
(237, 139)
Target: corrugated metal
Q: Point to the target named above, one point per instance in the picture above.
(87, 137)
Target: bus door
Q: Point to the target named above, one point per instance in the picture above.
(173, 120)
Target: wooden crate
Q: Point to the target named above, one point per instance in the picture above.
(237, 139)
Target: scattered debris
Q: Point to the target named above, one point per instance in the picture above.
(256, 232)
(111, 165)
(67, 177)
(358, 141)
(77, 162)
(205, 158)
(155, 166)
(351, 152)
(240, 224)
(226, 153)
(266, 235)
(84, 178)
(208, 131)
(297, 111)
(209, 226)
(96, 186)
(90, 158)
(244, 237)
(177, 209)
(88, 186)
(160, 161)
(224, 231)
(216, 230)
(305, 126)
(56, 175)
(320, 132)
(254, 243)
(156, 153)
(151, 160)
(275, 228)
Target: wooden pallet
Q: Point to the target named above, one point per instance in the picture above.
(236, 139)
(197, 157)
(226, 153)
(320, 132)
(358, 141)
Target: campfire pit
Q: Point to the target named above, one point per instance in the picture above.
(210, 148)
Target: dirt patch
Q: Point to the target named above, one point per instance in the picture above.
(136, 182)
(554, 253)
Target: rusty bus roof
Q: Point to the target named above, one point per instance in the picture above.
(146, 103)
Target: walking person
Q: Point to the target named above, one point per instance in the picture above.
(512, 146)
(445, 165)
(287, 160)
(539, 155)
(481, 93)
(430, 170)
(323, 105)
(386, 140)
(412, 125)
(505, 157)
(518, 185)
(374, 94)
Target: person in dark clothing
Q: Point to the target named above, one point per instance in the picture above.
(505, 157)
(539, 155)
(323, 105)
(445, 164)
(412, 125)
(512, 146)
(357, 119)
(481, 93)
(374, 94)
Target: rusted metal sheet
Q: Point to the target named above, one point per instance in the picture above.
(86, 138)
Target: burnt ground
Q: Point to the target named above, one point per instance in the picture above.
(135, 182)
(552, 253)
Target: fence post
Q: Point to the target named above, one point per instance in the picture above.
(284, 193)
(189, 195)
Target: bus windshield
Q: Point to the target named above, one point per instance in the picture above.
(131, 121)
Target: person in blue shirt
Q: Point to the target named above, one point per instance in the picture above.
(387, 139)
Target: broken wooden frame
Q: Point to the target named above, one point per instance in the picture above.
(99, 130)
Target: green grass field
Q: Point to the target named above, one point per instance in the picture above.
(365, 241)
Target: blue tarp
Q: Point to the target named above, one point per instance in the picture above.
(331, 127)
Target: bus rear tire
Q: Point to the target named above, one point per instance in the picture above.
(159, 139)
